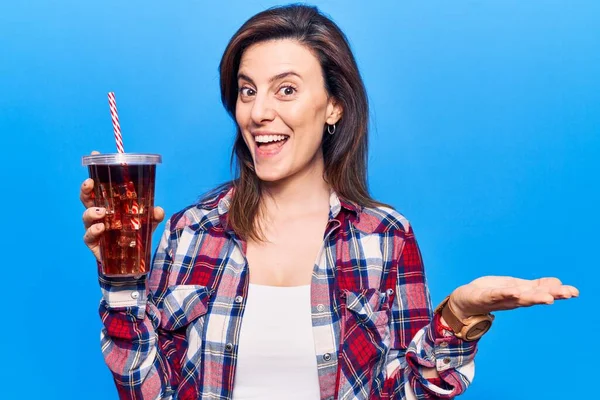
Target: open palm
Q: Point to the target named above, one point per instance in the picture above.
(495, 293)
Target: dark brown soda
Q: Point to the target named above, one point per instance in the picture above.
(127, 194)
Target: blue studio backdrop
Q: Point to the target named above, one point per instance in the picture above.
(485, 133)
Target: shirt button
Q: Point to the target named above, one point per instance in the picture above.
(238, 299)
(444, 344)
(320, 308)
(229, 346)
(326, 357)
(390, 292)
(135, 295)
(446, 360)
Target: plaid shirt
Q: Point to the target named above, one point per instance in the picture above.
(175, 333)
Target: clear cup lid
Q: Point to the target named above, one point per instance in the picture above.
(121, 158)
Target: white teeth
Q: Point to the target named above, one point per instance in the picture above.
(269, 138)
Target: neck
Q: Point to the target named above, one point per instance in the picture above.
(304, 192)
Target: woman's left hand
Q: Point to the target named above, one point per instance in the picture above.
(495, 293)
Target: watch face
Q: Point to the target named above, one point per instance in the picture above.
(477, 330)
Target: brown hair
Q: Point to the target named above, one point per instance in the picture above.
(345, 153)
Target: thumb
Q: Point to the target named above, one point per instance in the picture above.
(157, 217)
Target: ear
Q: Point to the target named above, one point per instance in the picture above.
(334, 111)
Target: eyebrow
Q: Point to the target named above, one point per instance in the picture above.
(273, 78)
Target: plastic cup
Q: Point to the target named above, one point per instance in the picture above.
(124, 186)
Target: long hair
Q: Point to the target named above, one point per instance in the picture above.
(345, 153)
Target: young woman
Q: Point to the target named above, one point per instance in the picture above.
(291, 282)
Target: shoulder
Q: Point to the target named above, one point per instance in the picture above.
(203, 214)
(382, 219)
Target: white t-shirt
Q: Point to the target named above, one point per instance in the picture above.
(276, 352)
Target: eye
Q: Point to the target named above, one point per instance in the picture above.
(287, 90)
(246, 91)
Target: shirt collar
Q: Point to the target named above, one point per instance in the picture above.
(336, 204)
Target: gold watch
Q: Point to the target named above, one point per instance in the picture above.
(471, 328)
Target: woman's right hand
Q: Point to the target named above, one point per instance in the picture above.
(93, 217)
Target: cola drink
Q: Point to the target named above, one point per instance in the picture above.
(124, 186)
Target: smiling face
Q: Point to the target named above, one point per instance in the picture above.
(282, 109)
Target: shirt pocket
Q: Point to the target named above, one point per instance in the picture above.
(369, 307)
(183, 304)
(365, 334)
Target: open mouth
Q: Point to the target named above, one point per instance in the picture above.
(270, 142)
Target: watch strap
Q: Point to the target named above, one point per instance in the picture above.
(471, 328)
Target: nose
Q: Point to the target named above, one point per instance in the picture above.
(262, 109)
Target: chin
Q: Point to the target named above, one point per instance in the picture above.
(270, 174)
(271, 178)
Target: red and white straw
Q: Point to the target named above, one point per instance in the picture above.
(112, 102)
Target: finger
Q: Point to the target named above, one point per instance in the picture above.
(574, 291)
(563, 292)
(527, 301)
(545, 282)
(548, 282)
(86, 193)
(498, 299)
(92, 216)
(509, 281)
(503, 281)
(536, 297)
(92, 235)
(545, 291)
(159, 215)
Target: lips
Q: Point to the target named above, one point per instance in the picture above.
(269, 145)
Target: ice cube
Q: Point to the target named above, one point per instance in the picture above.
(131, 194)
(113, 222)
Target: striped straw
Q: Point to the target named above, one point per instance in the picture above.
(112, 103)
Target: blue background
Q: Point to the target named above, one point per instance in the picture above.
(485, 134)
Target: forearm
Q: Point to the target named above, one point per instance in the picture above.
(431, 373)
(137, 367)
(439, 366)
(130, 344)
(435, 364)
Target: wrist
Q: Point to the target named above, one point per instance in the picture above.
(441, 327)
(458, 311)
(467, 327)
